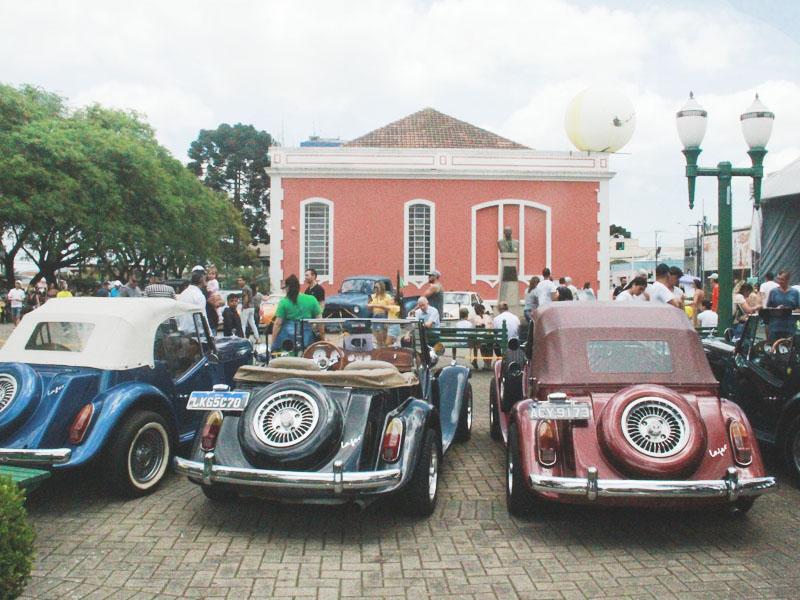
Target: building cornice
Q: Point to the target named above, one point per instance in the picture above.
(437, 163)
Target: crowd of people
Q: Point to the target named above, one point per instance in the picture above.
(748, 298)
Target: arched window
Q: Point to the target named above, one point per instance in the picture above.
(420, 239)
(316, 240)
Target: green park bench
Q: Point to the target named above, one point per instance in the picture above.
(472, 339)
(27, 479)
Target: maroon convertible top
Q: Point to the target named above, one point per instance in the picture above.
(583, 343)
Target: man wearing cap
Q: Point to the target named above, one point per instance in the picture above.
(714, 292)
(156, 289)
(433, 291)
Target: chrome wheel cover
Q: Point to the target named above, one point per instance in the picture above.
(655, 427)
(147, 454)
(285, 419)
(8, 389)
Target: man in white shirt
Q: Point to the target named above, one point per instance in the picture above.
(707, 317)
(635, 293)
(572, 288)
(193, 294)
(765, 288)
(661, 293)
(17, 298)
(510, 319)
(426, 313)
(546, 290)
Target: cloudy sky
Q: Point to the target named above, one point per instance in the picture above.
(341, 68)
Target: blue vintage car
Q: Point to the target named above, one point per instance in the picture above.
(105, 381)
(353, 296)
(361, 415)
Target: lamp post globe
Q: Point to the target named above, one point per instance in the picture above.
(757, 123)
(692, 120)
(600, 119)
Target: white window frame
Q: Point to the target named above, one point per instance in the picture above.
(327, 277)
(418, 280)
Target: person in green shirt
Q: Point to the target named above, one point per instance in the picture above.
(290, 311)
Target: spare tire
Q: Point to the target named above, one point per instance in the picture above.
(20, 392)
(289, 425)
(651, 431)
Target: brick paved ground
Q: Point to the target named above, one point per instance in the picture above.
(175, 543)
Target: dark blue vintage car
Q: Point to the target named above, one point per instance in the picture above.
(353, 297)
(105, 381)
(360, 415)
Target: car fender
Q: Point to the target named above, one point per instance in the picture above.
(452, 382)
(520, 415)
(417, 416)
(110, 408)
(789, 412)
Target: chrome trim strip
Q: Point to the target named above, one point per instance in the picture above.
(336, 481)
(730, 487)
(33, 456)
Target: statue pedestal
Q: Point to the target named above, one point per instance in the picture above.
(509, 282)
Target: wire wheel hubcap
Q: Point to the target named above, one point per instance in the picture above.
(655, 427)
(147, 453)
(285, 419)
(8, 388)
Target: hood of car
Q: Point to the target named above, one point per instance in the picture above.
(347, 299)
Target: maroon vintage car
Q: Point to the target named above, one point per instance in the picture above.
(616, 405)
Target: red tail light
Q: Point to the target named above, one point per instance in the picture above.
(80, 424)
(740, 442)
(392, 437)
(208, 438)
(546, 443)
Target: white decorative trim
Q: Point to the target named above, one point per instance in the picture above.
(603, 235)
(418, 280)
(302, 225)
(437, 163)
(523, 276)
(275, 233)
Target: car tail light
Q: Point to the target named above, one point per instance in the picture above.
(80, 424)
(546, 443)
(208, 438)
(740, 442)
(392, 437)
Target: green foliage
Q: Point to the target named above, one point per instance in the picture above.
(94, 184)
(619, 230)
(16, 549)
(232, 159)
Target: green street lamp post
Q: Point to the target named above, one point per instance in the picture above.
(756, 124)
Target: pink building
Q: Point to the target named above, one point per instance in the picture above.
(430, 191)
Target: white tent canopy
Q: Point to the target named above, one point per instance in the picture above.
(785, 182)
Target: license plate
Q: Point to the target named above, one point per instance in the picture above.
(561, 411)
(230, 401)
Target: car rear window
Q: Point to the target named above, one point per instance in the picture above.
(629, 356)
(60, 336)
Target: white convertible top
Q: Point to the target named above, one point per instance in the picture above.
(122, 338)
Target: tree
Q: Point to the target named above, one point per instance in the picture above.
(620, 230)
(94, 185)
(232, 159)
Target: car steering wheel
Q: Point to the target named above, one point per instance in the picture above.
(328, 356)
(782, 346)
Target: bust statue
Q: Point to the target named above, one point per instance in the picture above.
(507, 243)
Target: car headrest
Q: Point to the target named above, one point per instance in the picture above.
(294, 362)
(364, 365)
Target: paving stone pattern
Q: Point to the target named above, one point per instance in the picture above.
(175, 543)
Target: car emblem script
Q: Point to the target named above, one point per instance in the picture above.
(718, 452)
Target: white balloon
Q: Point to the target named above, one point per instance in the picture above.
(600, 119)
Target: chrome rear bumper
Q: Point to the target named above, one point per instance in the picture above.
(34, 457)
(730, 487)
(336, 482)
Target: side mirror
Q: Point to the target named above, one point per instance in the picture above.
(213, 358)
(728, 335)
(513, 344)
(433, 358)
